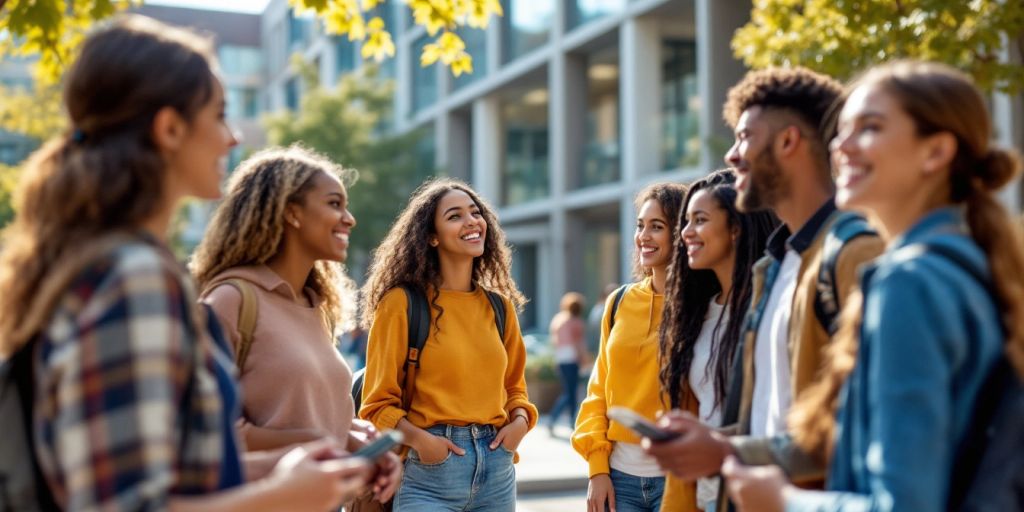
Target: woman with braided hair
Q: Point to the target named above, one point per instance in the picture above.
(938, 310)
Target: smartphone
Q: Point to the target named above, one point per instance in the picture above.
(640, 425)
(380, 446)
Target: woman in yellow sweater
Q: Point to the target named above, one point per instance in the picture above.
(469, 409)
(626, 371)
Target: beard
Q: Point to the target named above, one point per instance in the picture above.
(766, 184)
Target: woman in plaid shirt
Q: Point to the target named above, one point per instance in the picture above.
(135, 401)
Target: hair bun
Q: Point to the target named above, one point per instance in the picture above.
(998, 167)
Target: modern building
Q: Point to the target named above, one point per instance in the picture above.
(573, 107)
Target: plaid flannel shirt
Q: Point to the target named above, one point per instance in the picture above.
(127, 411)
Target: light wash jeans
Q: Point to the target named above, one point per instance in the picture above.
(481, 480)
(637, 493)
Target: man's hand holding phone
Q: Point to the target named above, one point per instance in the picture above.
(695, 451)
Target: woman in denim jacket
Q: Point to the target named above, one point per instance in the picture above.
(939, 308)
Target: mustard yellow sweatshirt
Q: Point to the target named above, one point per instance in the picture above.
(467, 374)
(625, 374)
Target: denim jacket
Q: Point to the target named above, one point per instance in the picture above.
(930, 334)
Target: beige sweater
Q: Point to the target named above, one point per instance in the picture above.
(293, 376)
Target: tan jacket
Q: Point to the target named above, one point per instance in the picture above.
(807, 336)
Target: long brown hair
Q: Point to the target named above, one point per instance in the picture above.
(248, 226)
(106, 174)
(405, 257)
(938, 99)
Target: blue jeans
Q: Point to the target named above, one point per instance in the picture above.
(570, 374)
(481, 480)
(637, 493)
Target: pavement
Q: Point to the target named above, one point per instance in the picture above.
(550, 475)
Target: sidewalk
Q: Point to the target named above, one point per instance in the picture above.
(549, 464)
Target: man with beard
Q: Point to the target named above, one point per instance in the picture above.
(782, 160)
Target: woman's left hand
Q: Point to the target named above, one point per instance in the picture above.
(759, 488)
(512, 434)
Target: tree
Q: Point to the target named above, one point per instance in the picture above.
(52, 29)
(842, 37)
(346, 124)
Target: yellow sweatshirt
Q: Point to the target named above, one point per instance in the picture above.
(625, 374)
(467, 374)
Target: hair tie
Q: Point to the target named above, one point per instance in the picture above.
(77, 135)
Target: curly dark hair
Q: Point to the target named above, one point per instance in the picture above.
(688, 292)
(808, 95)
(405, 257)
(670, 197)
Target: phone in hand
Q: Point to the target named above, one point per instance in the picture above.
(640, 425)
(380, 446)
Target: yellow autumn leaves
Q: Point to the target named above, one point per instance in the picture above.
(440, 18)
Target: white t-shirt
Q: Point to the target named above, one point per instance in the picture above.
(702, 383)
(631, 459)
(772, 393)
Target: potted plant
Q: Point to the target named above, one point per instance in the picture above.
(542, 380)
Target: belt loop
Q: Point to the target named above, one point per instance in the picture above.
(448, 431)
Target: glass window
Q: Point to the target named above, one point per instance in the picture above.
(242, 103)
(424, 79)
(602, 250)
(582, 11)
(240, 60)
(292, 93)
(344, 55)
(680, 105)
(525, 269)
(527, 26)
(426, 153)
(299, 29)
(525, 176)
(601, 158)
(476, 46)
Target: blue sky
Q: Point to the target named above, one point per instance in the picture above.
(253, 6)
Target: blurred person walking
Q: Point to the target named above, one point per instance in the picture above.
(567, 336)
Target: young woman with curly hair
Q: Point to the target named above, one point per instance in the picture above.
(130, 386)
(469, 409)
(282, 231)
(709, 281)
(938, 310)
(626, 370)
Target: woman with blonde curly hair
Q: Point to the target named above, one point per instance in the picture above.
(282, 233)
(128, 389)
(469, 410)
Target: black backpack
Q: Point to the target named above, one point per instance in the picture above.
(847, 226)
(418, 318)
(22, 486)
(989, 470)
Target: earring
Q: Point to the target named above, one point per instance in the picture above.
(433, 243)
(295, 223)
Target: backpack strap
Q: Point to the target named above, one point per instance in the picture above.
(418, 316)
(498, 305)
(846, 227)
(615, 304)
(20, 366)
(247, 313)
(418, 320)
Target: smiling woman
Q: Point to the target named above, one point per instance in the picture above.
(469, 410)
(626, 371)
(282, 234)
